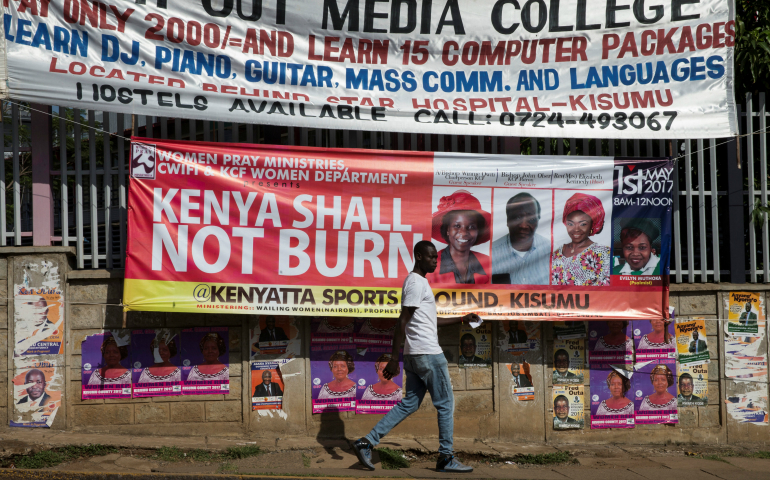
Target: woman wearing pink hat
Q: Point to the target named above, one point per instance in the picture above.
(461, 223)
(582, 262)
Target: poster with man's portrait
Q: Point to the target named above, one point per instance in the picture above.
(522, 386)
(267, 386)
(745, 313)
(106, 365)
(38, 320)
(205, 361)
(568, 407)
(654, 339)
(521, 336)
(334, 375)
(375, 331)
(375, 393)
(476, 345)
(691, 343)
(36, 394)
(692, 385)
(569, 361)
(274, 336)
(610, 342)
(332, 330)
(655, 393)
(156, 362)
(611, 398)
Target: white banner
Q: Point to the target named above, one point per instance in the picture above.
(621, 68)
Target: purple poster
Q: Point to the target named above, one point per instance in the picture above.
(336, 330)
(333, 369)
(653, 339)
(205, 361)
(156, 360)
(654, 388)
(375, 331)
(611, 405)
(106, 365)
(375, 393)
(610, 342)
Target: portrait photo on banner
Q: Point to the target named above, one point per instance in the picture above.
(521, 336)
(37, 391)
(274, 336)
(334, 376)
(654, 339)
(655, 392)
(106, 365)
(636, 246)
(332, 329)
(375, 393)
(205, 361)
(461, 231)
(156, 363)
(569, 362)
(610, 342)
(521, 236)
(611, 398)
(267, 386)
(522, 384)
(568, 407)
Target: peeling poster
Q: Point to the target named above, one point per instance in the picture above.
(36, 394)
(38, 311)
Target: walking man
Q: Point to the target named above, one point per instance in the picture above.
(424, 363)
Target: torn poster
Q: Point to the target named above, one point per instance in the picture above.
(375, 331)
(745, 314)
(569, 362)
(749, 407)
(521, 336)
(337, 330)
(156, 361)
(273, 337)
(522, 386)
(268, 386)
(332, 368)
(693, 385)
(610, 343)
(106, 365)
(476, 345)
(38, 312)
(568, 407)
(205, 361)
(745, 358)
(36, 394)
(654, 385)
(653, 339)
(375, 393)
(610, 406)
(692, 343)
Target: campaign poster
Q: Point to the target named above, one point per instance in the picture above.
(655, 393)
(375, 393)
(521, 336)
(205, 361)
(334, 330)
(569, 362)
(268, 386)
(610, 342)
(611, 406)
(38, 318)
(565, 330)
(745, 310)
(476, 345)
(745, 359)
(106, 365)
(654, 339)
(749, 407)
(334, 377)
(691, 342)
(37, 389)
(274, 336)
(156, 362)
(375, 331)
(568, 407)
(522, 387)
(692, 385)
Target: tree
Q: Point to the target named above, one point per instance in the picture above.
(752, 48)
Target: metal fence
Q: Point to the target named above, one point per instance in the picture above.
(64, 179)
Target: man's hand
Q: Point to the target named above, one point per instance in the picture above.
(471, 317)
(391, 369)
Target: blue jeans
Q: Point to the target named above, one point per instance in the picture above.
(423, 373)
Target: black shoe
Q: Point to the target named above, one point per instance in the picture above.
(448, 463)
(363, 451)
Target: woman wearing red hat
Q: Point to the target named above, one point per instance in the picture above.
(582, 262)
(461, 223)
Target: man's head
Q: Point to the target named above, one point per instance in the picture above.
(685, 384)
(561, 407)
(695, 335)
(468, 345)
(267, 377)
(36, 378)
(270, 322)
(561, 361)
(515, 369)
(522, 213)
(40, 311)
(748, 306)
(425, 256)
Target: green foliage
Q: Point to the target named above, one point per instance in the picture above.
(752, 47)
(234, 453)
(53, 457)
(544, 458)
(392, 459)
(174, 454)
(757, 215)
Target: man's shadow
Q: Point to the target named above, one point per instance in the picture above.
(332, 434)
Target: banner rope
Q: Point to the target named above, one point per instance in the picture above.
(675, 159)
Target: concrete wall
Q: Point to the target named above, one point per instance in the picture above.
(485, 408)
